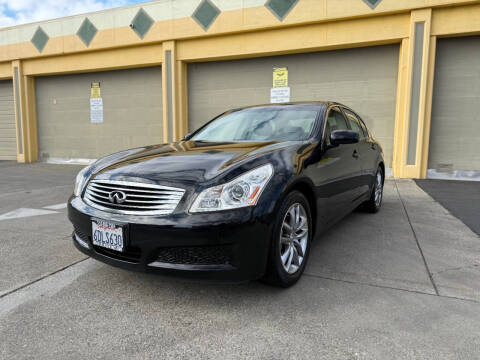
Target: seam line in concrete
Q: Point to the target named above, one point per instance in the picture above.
(390, 288)
(40, 232)
(416, 240)
(457, 269)
(10, 292)
(31, 190)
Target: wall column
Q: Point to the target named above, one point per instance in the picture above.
(175, 104)
(428, 107)
(400, 112)
(25, 114)
(414, 100)
(168, 89)
(181, 96)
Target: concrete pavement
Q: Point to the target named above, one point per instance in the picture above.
(400, 284)
(34, 246)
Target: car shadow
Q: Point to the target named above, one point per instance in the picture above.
(376, 249)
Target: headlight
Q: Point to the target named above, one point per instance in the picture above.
(80, 181)
(243, 191)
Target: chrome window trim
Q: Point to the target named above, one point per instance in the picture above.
(360, 121)
(334, 107)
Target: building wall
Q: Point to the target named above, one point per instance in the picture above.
(454, 136)
(364, 79)
(238, 29)
(132, 107)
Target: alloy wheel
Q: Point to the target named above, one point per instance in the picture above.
(378, 189)
(294, 238)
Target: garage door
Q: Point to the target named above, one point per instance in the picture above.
(132, 113)
(364, 79)
(455, 126)
(8, 140)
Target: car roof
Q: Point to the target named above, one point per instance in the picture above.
(296, 103)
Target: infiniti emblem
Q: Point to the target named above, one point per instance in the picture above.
(117, 197)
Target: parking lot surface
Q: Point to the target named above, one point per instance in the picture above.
(461, 198)
(400, 284)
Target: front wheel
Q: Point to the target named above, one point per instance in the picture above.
(374, 204)
(290, 245)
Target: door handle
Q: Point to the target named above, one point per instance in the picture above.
(373, 146)
(355, 154)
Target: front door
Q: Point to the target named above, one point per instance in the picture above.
(367, 151)
(339, 169)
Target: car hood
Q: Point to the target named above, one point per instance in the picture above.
(187, 162)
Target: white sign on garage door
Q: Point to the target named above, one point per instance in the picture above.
(96, 110)
(279, 95)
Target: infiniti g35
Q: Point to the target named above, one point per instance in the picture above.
(239, 199)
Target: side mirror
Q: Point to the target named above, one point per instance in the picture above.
(338, 137)
(185, 138)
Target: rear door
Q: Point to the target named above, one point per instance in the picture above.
(367, 151)
(339, 168)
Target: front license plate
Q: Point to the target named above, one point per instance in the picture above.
(107, 234)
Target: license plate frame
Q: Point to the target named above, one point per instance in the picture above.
(105, 234)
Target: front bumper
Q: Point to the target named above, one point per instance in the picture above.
(224, 246)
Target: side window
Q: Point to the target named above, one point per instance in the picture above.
(335, 121)
(355, 124)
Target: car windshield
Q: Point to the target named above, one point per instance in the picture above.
(260, 124)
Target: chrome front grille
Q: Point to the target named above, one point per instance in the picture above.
(132, 198)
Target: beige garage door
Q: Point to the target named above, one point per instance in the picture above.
(132, 113)
(8, 140)
(455, 126)
(364, 79)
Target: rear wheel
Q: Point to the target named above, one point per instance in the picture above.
(374, 204)
(291, 241)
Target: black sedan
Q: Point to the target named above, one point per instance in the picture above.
(241, 198)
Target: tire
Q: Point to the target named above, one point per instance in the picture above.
(374, 204)
(286, 273)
